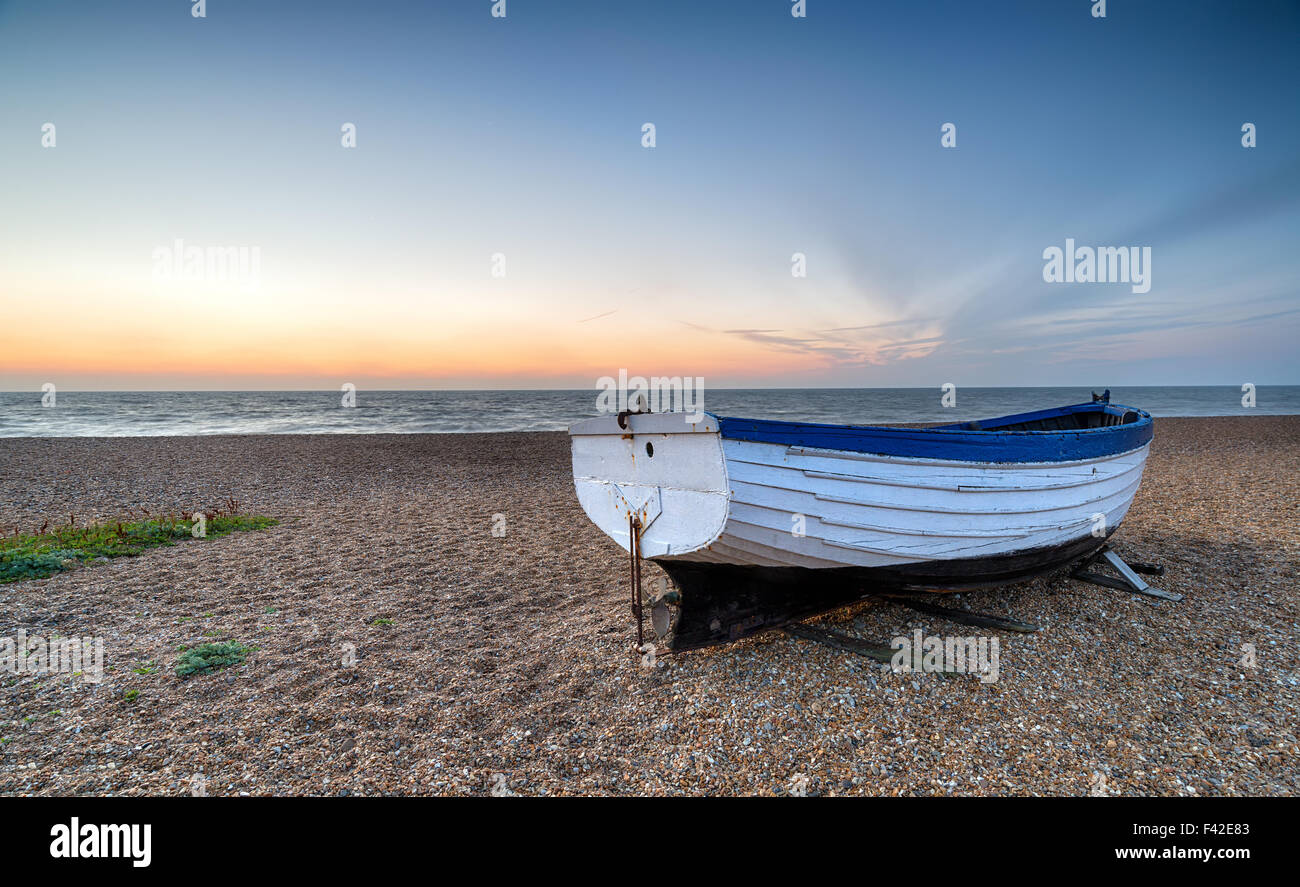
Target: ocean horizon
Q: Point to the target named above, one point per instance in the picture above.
(185, 413)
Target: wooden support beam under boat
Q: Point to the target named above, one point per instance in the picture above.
(840, 641)
(1129, 579)
(963, 617)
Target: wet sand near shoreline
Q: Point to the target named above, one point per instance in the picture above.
(403, 648)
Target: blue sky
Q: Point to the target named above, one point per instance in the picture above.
(522, 137)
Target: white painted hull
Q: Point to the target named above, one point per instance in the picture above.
(705, 499)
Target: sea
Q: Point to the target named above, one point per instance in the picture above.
(151, 413)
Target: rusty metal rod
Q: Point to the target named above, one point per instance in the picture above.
(634, 551)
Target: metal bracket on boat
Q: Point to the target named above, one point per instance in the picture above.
(1129, 581)
(637, 405)
(644, 507)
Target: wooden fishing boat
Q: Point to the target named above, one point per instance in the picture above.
(759, 522)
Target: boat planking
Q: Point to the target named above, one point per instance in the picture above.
(758, 522)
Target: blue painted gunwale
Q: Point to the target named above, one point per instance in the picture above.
(979, 441)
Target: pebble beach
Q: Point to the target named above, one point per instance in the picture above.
(435, 615)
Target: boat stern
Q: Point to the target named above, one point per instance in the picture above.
(667, 472)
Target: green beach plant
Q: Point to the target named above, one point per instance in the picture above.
(209, 657)
(48, 551)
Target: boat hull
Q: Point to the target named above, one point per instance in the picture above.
(825, 509)
(757, 523)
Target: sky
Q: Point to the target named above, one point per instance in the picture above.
(500, 222)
